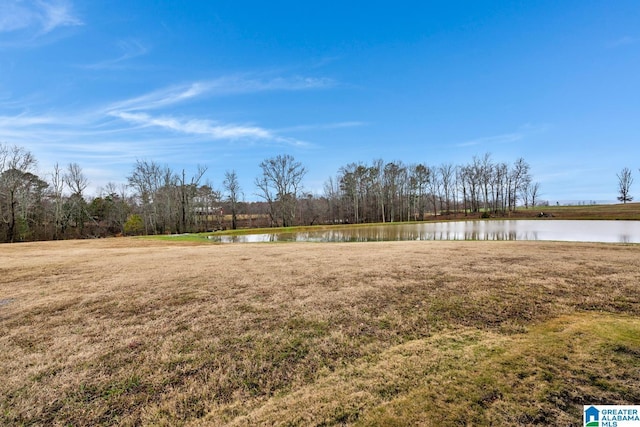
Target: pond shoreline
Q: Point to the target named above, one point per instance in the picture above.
(604, 231)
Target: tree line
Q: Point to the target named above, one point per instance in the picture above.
(159, 200)
(394, 191)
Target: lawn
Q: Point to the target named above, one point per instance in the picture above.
(130, 331)
(621, 211)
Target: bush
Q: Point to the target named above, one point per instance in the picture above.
(134, 225)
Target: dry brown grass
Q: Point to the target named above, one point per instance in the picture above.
(620, 211)
(129, 332)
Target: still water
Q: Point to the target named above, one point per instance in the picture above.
(568, 231)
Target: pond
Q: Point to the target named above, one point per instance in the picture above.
(560, 230)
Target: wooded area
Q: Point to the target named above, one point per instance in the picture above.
(159, 200)
(394, 191)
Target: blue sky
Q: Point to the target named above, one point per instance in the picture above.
(230, 83)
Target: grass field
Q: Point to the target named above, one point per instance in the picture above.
(621, 211)
(148, 332)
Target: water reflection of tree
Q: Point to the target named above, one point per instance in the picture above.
(625, 238)
(474, 231)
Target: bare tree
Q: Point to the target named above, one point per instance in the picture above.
(232, 186)
(501, 184)
(474, 176)
(624, 185)
(533, 193)
(57, 188)
(419, 180)
(16, 165)
(447, 176)
(394, 177)
(77, 205)
(187, 194)
(146, 180)
(518, 179)
(463, 182)
(207, 204)
(280, 186)
(376, 178)
(355, 181)
(332, 196)
(485, 174)
(75, 179)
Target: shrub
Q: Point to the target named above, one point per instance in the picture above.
(134, 225)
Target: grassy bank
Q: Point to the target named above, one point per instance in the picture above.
(623, 211)
(132, 331)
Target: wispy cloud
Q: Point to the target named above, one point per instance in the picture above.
(36, 16)
(227, 85)
(506, 138)
(323, 126)
(13, 17)
(196, 126)
(56, 13)
(126, 120)
(129, 49)
(111, 137)
(495, 139)
(136, 110)
(322, 62)
(23, 120)
(622, 41)
(160, 98)
(50, 130)
(208, 128)
(86, 138)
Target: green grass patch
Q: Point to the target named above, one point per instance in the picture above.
(476, 377)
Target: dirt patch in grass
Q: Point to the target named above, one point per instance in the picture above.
(131, 331)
